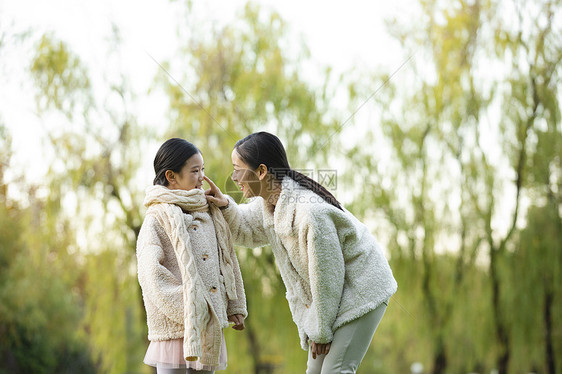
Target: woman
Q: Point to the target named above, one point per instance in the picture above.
(187, 267)
(337, 279)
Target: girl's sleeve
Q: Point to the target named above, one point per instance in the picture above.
(326, 269)
(246, 223)
(158, 284)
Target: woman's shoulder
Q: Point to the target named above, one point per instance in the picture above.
(312, 207)
(303, 205)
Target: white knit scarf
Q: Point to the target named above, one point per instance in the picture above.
(170, 205)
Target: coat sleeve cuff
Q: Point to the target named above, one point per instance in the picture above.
(226, 210)
(192, 353)
(234, 311)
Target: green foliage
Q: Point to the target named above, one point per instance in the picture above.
(242, 80)
(460, 176)
(444, 187)
(61, 76)
(99, 164)
(112, 315)
(39, 311)
(539, 259)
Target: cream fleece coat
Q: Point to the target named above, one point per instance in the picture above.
(182, 270)
(333, 268)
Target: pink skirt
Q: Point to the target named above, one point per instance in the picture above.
(168, 354)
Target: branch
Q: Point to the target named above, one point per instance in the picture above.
(521, 162)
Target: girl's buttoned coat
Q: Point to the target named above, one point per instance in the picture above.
(161, 282)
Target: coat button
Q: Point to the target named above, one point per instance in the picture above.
(213, 289)
(205, 257)
(306, 305)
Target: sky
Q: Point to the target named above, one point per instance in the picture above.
(343, 35)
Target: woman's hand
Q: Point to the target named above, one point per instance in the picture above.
(214, 194)
(319, 349)
(238, 320)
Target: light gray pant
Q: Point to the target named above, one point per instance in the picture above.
(181, 371)
(349, 345)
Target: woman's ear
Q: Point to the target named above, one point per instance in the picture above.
(170, 176)
(262, 172)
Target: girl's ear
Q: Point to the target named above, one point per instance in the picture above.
(170, 176)
(262, 172)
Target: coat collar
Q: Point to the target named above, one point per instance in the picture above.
(283, 217)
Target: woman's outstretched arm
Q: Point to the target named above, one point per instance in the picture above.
(245, 220)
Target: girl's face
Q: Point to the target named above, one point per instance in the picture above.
(190, 176)
(245, 177)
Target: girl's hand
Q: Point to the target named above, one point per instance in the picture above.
(238, 320)
(319, 349)
(214, 194)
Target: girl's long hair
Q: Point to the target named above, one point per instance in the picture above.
(265, 148)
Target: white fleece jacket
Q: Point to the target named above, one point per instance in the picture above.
(333, 268)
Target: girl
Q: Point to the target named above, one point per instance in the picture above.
(187, 268)
(337, 279)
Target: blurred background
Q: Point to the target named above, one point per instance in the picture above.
(437, 123)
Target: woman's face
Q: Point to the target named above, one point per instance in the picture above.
(190, 176)
(245, 177)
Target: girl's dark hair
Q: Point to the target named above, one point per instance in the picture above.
(172, 155)
(265, 148)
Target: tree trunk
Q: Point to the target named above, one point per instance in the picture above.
(255, 351)
(440, 358)
(501, 329)
(547, 314)
(440, 354)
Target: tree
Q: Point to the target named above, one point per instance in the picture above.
(535, 122)
(39, 312)
(444, 187)
(92, 179)
(533, 98)
(244, 83)
(241, 79)
(427, 187)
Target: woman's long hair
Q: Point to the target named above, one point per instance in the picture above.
(265, 148)
(172, 155)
